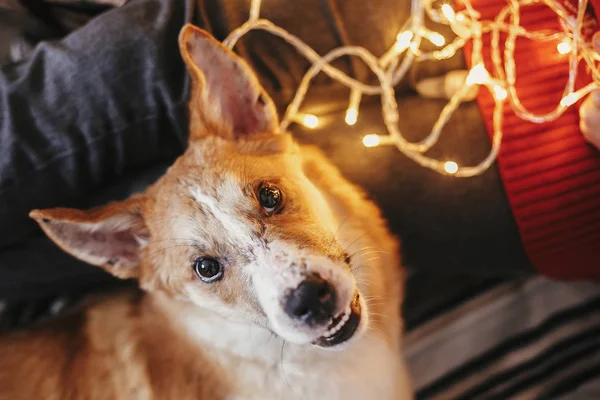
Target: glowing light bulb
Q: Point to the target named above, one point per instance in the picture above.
(450, 167)
(405, 36)
(351, 116)
(448, 12)
(564, 47)
(569, 100)
(403, 41)
(478, 75)
(499, 92)
(310, 121)
(371, 140)
(437, 39)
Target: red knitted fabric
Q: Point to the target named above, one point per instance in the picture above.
(551, 175)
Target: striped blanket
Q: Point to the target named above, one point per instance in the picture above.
(533, 339)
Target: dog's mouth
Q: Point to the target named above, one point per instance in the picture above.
(343, 326)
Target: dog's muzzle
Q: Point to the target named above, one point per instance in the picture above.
(314, 303)
(343, 327)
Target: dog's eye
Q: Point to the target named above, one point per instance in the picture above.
(269, 198)
(208, 269)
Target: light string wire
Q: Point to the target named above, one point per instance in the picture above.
(394, 64)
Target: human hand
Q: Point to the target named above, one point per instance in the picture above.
(589, 113)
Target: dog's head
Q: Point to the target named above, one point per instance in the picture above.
(235, 226)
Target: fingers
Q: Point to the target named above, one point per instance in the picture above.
(596, 41)
(589, 112)
(589, 122)
(595, 96)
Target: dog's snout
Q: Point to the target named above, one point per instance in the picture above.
(312, 302)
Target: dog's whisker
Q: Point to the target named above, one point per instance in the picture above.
(245, 177)
(364, 266)
(249, 172)
(283, 370)
(362, 248)
(377, 300)
(375, 314)
(364, 283)
(376, 297)
(370, 251)
(372, 259)
(373, 250)
(361, 280)
(366, 247)
(376, 305)
(347, 247)
(333, 237)
(379, 331)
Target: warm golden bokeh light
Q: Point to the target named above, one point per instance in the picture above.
(351, 116)
(371, 140)
(450, 167)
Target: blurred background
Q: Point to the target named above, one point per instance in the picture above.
(480, 322)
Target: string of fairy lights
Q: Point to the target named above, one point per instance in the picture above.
(394, 64)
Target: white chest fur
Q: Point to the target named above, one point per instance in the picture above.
(258, 365)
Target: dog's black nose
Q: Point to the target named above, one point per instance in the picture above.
(312, 302)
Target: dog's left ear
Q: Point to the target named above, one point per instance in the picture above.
(110, 236)
(226, 98)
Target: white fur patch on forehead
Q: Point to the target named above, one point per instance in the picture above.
(226, 203)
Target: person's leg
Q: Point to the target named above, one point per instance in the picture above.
(83, 121)
(110, 96)
(36, 267)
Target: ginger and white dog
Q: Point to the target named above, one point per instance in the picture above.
(265, 274)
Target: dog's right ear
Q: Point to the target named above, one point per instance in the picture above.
(110, 236)
(226, 98)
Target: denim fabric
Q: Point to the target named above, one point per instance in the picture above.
(81, 120)
(79, 112)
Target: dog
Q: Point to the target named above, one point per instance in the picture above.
(264, 274)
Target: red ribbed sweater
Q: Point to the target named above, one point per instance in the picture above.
(551, 175)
